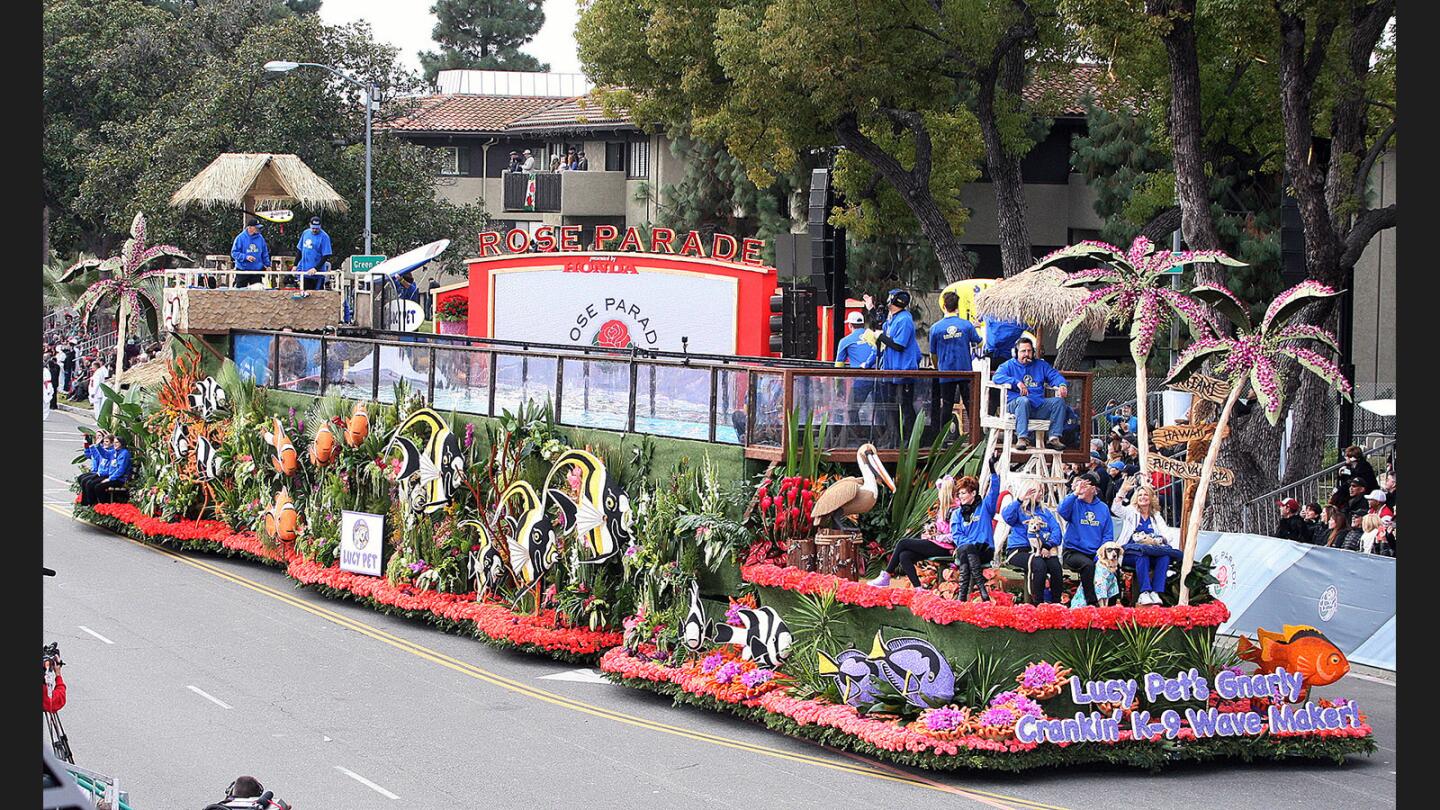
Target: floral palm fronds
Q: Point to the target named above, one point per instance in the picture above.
(127, 272)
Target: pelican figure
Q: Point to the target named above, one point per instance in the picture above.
(855, 495)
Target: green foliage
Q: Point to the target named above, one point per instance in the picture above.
(988, 674)
(1205, 652)
(1090, 654)
(915, 494)
(804, 445)
(1144, 649)
(484, 35)
(1201, 577)
(817, 624)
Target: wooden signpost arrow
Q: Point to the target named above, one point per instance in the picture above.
(1190, 470)
(1181, 434)
(1204, 387)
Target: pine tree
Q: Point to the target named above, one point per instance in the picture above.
(484, 35)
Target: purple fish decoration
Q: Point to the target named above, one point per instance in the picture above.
(854, 674)
(916, 669)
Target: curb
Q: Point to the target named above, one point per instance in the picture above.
(75, 409)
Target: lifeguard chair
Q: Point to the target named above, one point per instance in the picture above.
(1039, 463)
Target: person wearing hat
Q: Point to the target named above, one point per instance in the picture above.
(515, 163)
(953, 341)
(312, 256)
(250, 253)
(1356, 501)
(857, 350)
(1088, 526)
(1376, 505)
(1025, 377)
(527, 162)
(1385, 539)
(1291, 525)
(901, 353)
(1110, 476)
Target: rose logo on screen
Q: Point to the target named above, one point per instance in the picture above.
(612, 335)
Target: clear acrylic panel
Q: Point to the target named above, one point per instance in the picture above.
(252, 357)
(462, 381)
(522, 377)
(299, 365)
(732, 393)
(673, 401)
(349, 365)
(596, 394)
(768, 412)
(410, 364)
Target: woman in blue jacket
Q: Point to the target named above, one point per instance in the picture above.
(1033, 545)
(972, 524)
(112, 475)
(97, 453)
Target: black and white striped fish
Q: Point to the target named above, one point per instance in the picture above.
(762, 636)
(207, 461)
(693, 633)
(207, 397)
(179, 441)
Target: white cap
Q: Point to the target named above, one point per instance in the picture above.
(1377, 495)
(855, 319)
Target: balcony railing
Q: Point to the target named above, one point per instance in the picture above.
(587, 193)
(745, 402)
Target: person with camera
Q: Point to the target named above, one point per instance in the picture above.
(1033, 545)
(1146, 539)
(247, 792)
(1355, 467)
(901, 353)
(97, 454)
(53, 699)
(1291, 525)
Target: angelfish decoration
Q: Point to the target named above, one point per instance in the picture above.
(207, 397)
(531, 544)
(207, 461)
(917, 670)
(693, 633)
(854, 673)
(489, 564)
(179, 441)
(762, 636)
(432, 471)
(602, 512)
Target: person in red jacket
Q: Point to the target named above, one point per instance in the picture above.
(53, 698)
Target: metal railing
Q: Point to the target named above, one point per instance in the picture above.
(1261, 514)
(741, 401)
(209, 278)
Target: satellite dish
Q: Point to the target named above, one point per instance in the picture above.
(410, 260)
(1379, 407)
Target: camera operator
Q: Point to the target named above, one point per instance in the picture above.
(247, 792)
(53, 699)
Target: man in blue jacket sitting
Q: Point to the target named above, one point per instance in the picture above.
(1027, 375)
(113, 472)
(1087, 526)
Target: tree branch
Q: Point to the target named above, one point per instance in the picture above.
(1367, 224)
(1162, 224)
(1362, 173)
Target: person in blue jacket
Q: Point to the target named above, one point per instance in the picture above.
(113, 473)
(250, 253)
(953, 341)
(1033, 545)
(1088, 525)
(97, 454)
(1000, 338)
(972, 528)
(1027, 375)
(857, 350)
(901, 352)
(312, 256)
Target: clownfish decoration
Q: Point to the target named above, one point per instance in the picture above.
(357, 427)
(602, 512)
(531, 544)
(207, 397)
(207, 460)
(324, 449)
(430, 472)
(285, 458)
(282, 520)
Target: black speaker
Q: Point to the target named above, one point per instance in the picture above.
(801, 332)
(827, 243)
(1292, 241)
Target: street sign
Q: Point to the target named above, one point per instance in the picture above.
(1173, 271)
(1179, 434)
(364, 264)
(1204, 387)
(1189, 470)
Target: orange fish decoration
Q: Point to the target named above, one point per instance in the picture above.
(282, 519)
(1297, 648)
(285, 459)
(324, 449)
(358, 426)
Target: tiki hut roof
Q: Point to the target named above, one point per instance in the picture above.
(150, 374)
(241, 180)
(1035, 297)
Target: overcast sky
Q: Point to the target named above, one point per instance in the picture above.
(407, 25)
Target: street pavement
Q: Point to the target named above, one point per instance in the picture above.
(186, 670)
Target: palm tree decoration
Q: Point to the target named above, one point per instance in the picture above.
(1130, 295)
(1253, 357)
(126, 283)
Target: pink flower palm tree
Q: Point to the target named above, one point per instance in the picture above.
(1254, 357)
(1127, 290)
(126, 284)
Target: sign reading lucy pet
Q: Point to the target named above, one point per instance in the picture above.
(665, 301)
(361, 539)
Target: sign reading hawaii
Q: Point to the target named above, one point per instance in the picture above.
(704, 296)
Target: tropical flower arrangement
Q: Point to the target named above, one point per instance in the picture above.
(782, 515)
(454, 308)
(1042, 680)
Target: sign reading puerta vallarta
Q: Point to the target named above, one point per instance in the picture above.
(643, 292)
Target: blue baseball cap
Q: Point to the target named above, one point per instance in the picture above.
(1117, 464)
(314, 220)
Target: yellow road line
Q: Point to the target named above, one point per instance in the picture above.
(466, 668)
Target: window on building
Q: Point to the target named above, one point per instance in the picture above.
(450, 160)
(639, 160)
(615, 156)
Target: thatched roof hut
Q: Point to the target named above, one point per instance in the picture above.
(150, 374)
(1035, 297)
(258, 180)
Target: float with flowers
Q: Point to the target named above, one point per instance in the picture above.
(712, 588)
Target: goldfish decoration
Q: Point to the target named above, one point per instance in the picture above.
(431, 471)
(357, 427)
(206, 398)
(285, 458)
(207, 461)
(324, 448)
(854, 674)
(917, 670)
(531, 545)
(490, 565)
(1297, 648)
(602, 513)
(282, 520)
(762, 636)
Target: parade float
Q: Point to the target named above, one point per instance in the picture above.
(687, 575)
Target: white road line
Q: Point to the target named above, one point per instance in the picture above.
(366, 782)
(202, 693)
(95, 634)
(53, 478)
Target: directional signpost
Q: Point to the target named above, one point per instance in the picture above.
(1196, 435)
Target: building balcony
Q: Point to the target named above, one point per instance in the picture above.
(588, 193)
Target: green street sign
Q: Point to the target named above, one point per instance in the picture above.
(364, 264)
(1173, 271)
